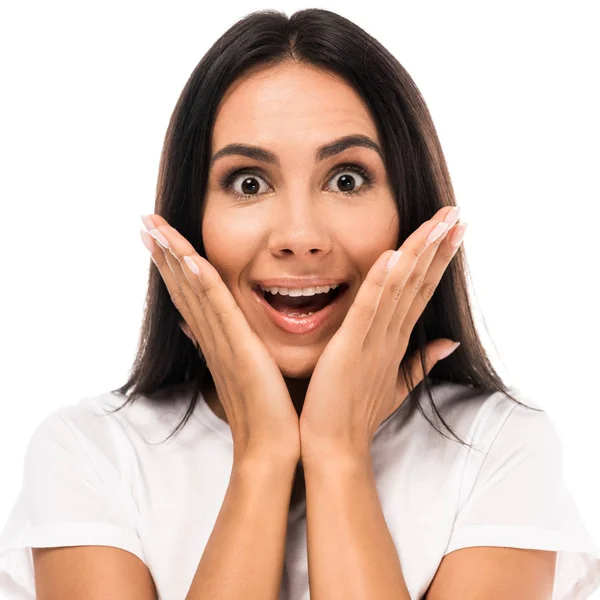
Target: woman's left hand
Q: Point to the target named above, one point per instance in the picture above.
(357, 382)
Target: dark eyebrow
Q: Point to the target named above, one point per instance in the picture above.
(323, 152)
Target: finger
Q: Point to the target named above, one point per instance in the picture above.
(415, 368)
(441, 260)
(407, 276)
(180, 295)
(366, 318)
(172, 277)
(208, 294)
(362, 312)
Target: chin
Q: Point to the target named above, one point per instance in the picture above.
(295, 372)
(296, 362)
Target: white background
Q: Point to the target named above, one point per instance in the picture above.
(88, 89)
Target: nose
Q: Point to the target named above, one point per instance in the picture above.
(299, 228)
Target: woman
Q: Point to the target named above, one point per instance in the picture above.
(299, 156)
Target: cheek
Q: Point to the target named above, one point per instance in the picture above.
(364, 244)
(230, 242)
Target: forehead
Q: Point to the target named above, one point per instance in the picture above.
(299, 104)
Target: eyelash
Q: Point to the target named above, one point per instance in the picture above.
(357, 167)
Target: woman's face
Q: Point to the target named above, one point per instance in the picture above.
(296, 221)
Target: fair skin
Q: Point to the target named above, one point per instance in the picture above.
(302, 224)
(298, 220)
(299, 227)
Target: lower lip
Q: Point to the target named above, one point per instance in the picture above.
(300, 324)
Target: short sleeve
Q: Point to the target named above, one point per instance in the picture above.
(517, 497)
(71, 495)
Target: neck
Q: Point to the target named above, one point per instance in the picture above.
(297, 389)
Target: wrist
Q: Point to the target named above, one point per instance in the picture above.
(332, 458)
(274, 465)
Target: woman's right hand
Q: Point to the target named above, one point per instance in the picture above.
(263, 421)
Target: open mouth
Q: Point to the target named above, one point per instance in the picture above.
(297, 306)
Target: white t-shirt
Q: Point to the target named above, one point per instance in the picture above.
(105, 480)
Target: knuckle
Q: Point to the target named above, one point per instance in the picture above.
(378, 283)
(221, 318)
(396, 289)
(416, 252)
(367, 312)
(188, 294)
(203, 301)
(208, 285)
(417, 281)
(446, 253)
(224, 316)
(427, 291)
(194, 287)
(178, 300)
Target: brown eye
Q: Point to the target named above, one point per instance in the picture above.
(248, 184)
(246, 187)
(346, 183)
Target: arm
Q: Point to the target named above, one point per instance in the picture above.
(242, 559)
(351, 554)
(244, 554)
(90, 572)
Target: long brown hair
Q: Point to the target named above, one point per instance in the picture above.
(413, 158)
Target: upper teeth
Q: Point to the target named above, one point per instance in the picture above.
(309, 291)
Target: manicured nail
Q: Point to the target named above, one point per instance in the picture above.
(457, 237)
(147, 239)
(157, 235)
(147, 221)
(452, 216)
(448, 351)
(191, 263)
(436, 232)
(392, 260)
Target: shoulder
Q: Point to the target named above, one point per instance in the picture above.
(483, 418)
(510, 428)
(107, 418)
(89, 416)
(92, 428)
(75, 435)
(482, 412)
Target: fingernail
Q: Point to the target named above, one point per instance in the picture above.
(191, 263)
(147, 221)
(452, 216)
(448, 351)
(436, 232)
(392, 260)
(156, 234)
(458, 236)
(147, 240)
